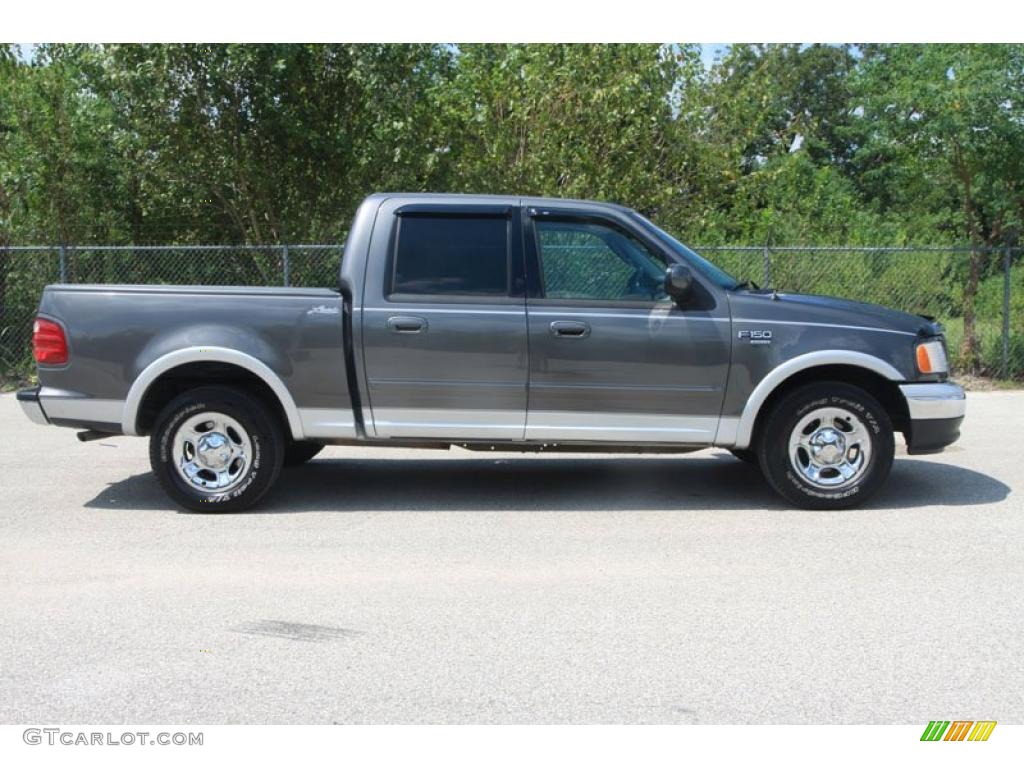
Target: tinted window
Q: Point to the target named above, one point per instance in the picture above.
(582, 260)
(456, 255)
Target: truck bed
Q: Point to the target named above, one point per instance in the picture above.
(289, 337)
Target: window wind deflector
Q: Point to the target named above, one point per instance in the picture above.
(540, 213)
(440, 209)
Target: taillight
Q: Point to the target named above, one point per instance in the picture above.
(49, 344)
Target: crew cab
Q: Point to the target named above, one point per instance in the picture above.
(495, 323)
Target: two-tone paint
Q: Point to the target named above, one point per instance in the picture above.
(362, 363)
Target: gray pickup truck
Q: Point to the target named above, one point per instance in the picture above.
(495, 323)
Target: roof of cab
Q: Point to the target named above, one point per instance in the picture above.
(461, 198)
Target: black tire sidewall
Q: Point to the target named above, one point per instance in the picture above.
(774, 445)
(264, 434)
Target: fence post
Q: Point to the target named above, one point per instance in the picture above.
(63, 264)
(767, 266)
(1006, 312)
(286, 264)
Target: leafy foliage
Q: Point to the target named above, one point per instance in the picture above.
(265, 144)
(278, 143)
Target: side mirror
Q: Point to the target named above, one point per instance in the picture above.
(678, 283)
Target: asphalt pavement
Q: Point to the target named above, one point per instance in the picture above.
(453, 587)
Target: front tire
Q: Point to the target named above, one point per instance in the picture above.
(826, 445)
(216, 449)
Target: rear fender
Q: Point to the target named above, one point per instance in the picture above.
(172, 360)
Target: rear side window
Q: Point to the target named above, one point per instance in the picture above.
(452, 255)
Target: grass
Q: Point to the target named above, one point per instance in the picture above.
(10, 383)
(989, 333)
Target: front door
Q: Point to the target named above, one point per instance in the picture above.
(612, 358)
(444, 328)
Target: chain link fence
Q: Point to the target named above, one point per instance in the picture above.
(926, 281)
(930, 281)
(25, 270)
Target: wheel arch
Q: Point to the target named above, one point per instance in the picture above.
(184, 368)
(877, 377)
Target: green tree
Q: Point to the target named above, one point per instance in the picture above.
(271, 143)
(944, 128)
(570, 120)
(57, 171)
(765, 100)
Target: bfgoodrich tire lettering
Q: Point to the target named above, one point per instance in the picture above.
(849, 434)
(248, 426)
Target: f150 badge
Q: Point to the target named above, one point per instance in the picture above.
(756, 337)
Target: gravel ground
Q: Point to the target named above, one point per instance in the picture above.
(407, 587)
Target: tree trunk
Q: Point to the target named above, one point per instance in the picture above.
(5, 264)
(5, 242)
(969, 345)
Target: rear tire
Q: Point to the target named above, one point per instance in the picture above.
(298, 452)
(826, 445)
(216, 449)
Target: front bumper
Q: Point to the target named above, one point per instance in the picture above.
(28, 399)
(936, 412)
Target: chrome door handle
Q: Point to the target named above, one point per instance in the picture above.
(570, 329)
(407, 324)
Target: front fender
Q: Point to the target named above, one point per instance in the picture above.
(737, 432)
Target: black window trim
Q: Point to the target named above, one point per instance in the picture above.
(515, 282)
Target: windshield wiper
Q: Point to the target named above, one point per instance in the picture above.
(746, 283)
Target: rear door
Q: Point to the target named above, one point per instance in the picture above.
(444, 322)
(612, 358)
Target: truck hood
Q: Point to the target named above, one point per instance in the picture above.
(828, 309)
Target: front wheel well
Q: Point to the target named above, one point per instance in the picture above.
(882, 389)
(188, 376)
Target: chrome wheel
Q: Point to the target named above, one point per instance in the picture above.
(212, 451)
(830, 448)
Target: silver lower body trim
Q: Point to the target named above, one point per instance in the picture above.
(728, 428)
(621, 427)
(76, 407)
(934, 401)
(467, 424)
(449, 423)
(327, 423)
(32, 409)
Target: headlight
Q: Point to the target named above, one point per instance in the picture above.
(931, 357)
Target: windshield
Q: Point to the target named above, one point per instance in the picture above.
(719, 277)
